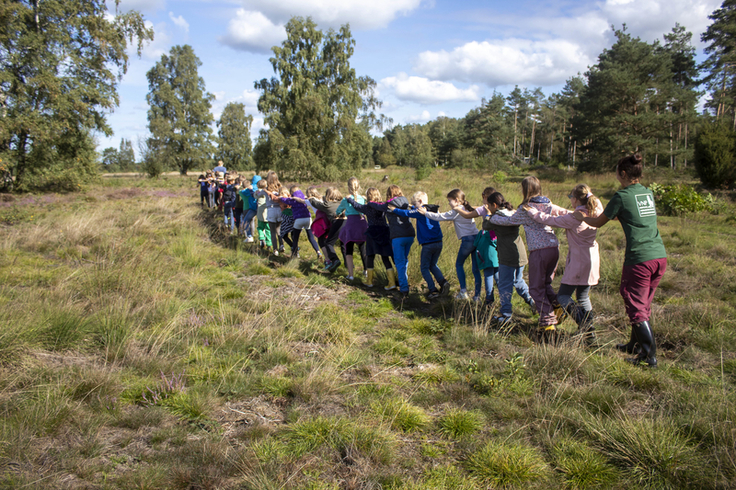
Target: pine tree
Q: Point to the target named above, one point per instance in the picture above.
(721, 62)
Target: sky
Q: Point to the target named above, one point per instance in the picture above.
(429, 58)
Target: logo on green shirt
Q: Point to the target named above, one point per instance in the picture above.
(645, 203)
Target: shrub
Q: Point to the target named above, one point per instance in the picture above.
(504, 465)
(676, 200)
(715, 161)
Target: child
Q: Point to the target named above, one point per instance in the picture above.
(273, 215)
(645, 260)
(465, 230)
(211, 191)
(401, 232)
(485, 244)
(582, 267)
(203, 190)
(239, 205)
(377, 239)
(264, 233)
(287, 221)
(247, 194)
(228, 202)
(354, 229)
(328, 205)
(429, 236)
(543, 250)
(302, 220)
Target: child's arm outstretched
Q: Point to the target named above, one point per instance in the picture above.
(520, 217)
(361, 208)
(566, 220)
(446, 216)
(465, 213)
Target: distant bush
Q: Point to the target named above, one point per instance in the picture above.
(715, 159)
(676, 200)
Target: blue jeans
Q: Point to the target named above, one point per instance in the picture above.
(564, 296)
(467, 248)
(489, 275)
(228, 210)
(429, 257)
(401, 247)
(248, 220)
(509, 278)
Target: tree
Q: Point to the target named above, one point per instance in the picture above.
(60, 62)
(234, 146)
(715, 159)
(179, 116)
(318, 111)
(721, 62)
(625, 105)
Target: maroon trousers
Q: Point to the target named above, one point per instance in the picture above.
(542, 267)
(638, 284)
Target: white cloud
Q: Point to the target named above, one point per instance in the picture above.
(360, 14)
(425, 91)
(506, 62)
(421, 118)
(179, 21)
(252, 31)
(159, 46)
(557, 48)
(146, 6)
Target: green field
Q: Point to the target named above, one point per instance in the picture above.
(141, 347)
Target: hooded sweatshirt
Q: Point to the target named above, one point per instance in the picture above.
(249, 193)
(428, 231)
(298, 209)
(398, 226)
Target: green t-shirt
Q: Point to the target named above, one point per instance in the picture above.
(634, 208)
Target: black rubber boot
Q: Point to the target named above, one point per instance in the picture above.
(645, 336)
(632, 347)
(585, 319)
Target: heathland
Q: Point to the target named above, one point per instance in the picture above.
(143, 347)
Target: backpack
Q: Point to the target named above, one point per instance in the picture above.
(485, 249)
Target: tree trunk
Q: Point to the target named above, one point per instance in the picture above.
(516, 112)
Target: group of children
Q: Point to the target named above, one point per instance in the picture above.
(382, 226)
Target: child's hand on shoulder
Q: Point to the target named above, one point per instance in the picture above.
(421, 210)
(578, 215)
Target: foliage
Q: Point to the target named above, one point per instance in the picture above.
(60, 63)
(179, 115)
(715, 155)
(318, 111)
(721, 63)
(123, 160)
(234, 145)
(678, 199)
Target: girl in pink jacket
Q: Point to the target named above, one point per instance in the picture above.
(582, 268)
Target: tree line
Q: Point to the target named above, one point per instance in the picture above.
(61, 62)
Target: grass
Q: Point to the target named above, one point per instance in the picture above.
(141, 347)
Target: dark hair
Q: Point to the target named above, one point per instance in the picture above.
(487, 192)
(459, 196)
(498, 199)
(630, 165)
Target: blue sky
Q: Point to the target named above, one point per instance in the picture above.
(429, 58)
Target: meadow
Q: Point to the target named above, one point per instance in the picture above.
(142, 347)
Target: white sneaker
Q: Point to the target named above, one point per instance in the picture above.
(349, 278)
(276, 252)
(249, 239)
(462, 296)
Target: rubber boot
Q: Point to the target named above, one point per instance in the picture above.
(584, 319)
(368, 278)
(350, 266)
(647, 355)
(392, 279)
(632, 347)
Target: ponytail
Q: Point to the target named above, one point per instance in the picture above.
(498, 199)
(583, 194)
(459, 196)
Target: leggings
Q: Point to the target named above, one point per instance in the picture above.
(275, 229)
(371, 260)
(331, 239)
(349, 247)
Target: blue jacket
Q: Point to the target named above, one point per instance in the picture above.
(247, 193)
(428, 231)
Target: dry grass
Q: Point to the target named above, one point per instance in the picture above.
(142, 348)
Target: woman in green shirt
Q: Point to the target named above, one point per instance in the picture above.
(645, 260)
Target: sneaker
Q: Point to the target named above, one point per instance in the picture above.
(445, 288)
(433, 294)
(249, 239)
(477, 299)
(350, 278)
(282, 249)
(334, 265)
(462, 296)
(276, 252)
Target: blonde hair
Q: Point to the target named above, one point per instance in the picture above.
(332, 194)
(272, 179)
(583, 194)
(312, 191)
(293, 189)
(353, 187)
(459, 196)
(373, 194)
(284, 192)
(530, 187)
(419, 195)
(393, 191)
